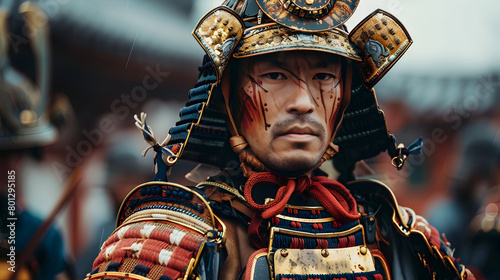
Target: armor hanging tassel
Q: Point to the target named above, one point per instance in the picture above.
(161, 163)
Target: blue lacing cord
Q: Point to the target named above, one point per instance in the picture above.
(171, 208)
(196, 207)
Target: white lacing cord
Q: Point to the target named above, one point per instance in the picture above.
(151, 140)
(142, 126)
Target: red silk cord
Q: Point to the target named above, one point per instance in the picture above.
(329, 193)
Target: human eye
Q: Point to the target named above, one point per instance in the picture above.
(275, 76)
(323, 76)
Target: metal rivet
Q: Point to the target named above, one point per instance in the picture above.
(325, 253)
(28, 117)
(286, 4)
(284, 253)
(225, 22)
(397, 40)
(384, 36)
(391, 30)
(371, 31)
(363, 250)
(378, 26)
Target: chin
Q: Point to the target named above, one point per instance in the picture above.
(292, 166)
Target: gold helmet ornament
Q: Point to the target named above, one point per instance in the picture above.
(245, 28)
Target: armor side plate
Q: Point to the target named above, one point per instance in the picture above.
(382, 40)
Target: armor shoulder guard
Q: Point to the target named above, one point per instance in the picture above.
(163, 231)
(415, 246)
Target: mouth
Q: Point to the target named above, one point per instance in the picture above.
(299, 133)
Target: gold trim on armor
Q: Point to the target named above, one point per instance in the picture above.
(121, 275)
(392, 201)
(193, 262)
(222, 238)
(173, 159)
(406, 230)
(319, 208)
(169, 215)
(159, 220)
(382, 39)
(317, 235)
(218, 32)
(272, 37)
(160, 183)
(260, 255)
(387, 272)
(221, 186)
(319, 220)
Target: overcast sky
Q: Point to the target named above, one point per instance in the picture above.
(458, 36)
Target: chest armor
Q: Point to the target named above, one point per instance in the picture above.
(306, 243)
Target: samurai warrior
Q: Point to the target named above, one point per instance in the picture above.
(284, 93)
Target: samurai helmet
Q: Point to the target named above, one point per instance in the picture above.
(245, 28)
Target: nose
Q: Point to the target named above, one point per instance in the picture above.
(300, 100)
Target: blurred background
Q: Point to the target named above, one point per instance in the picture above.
(109, 60)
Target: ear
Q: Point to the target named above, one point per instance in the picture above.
(381, 40)
(219, 32)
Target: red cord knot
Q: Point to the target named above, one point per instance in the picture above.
(332, 195)
(302, 184)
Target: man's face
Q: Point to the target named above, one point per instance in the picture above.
(288, 106)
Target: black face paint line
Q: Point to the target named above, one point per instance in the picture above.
(300, 83)
(256, 83)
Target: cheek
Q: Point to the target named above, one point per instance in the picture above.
(253, 107)
(330, 97)
(335, 100)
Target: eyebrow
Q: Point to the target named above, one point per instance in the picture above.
(320, 64)
(278, 63)
(324, 63)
